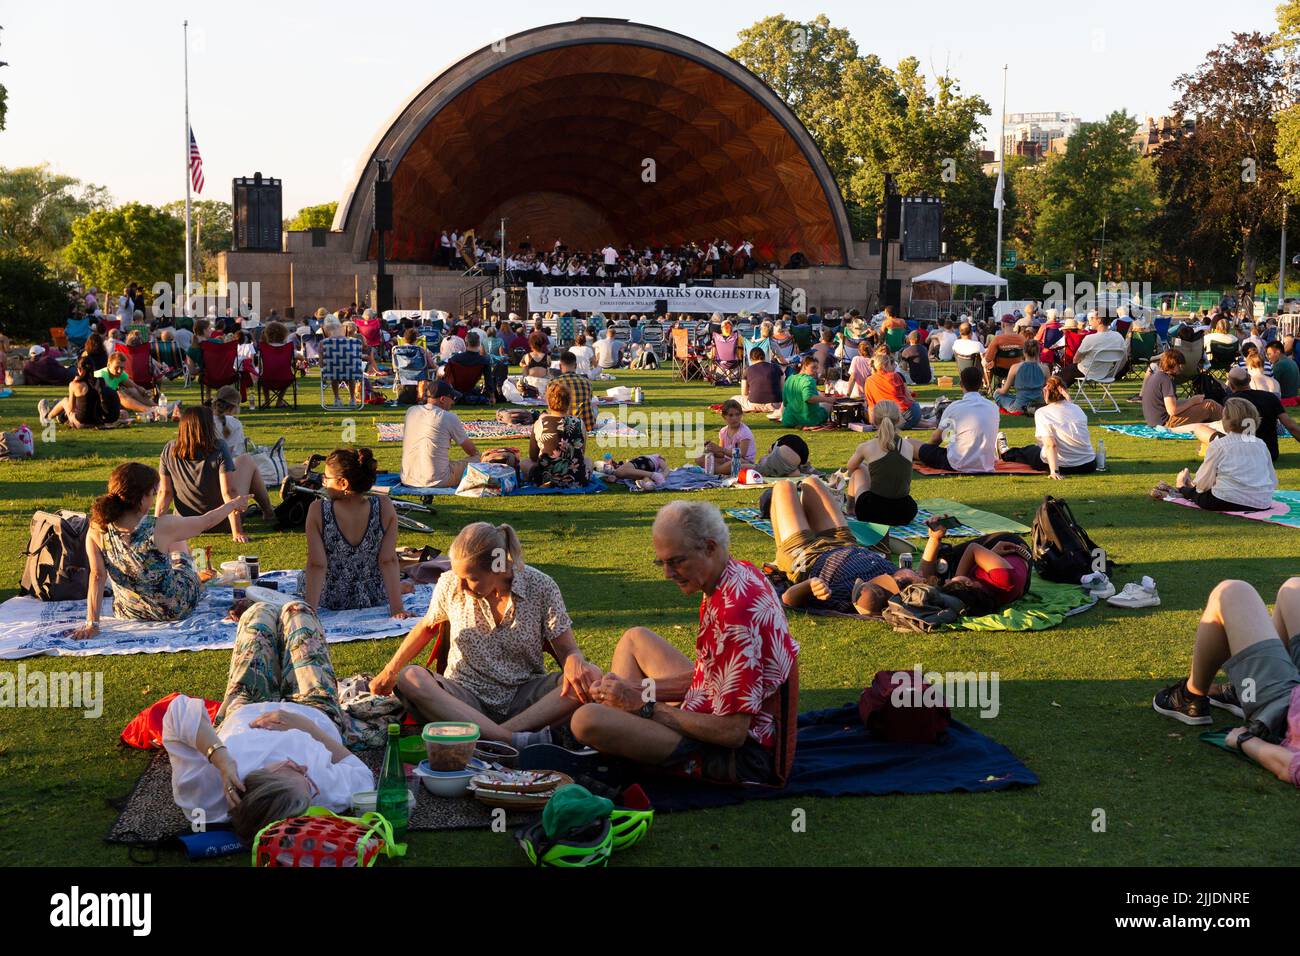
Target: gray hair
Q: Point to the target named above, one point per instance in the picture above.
(698, 522)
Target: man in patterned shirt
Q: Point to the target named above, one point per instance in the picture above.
(580, 385)
(723, 729)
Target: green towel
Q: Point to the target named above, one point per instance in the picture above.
(985, 522)
(1045, 605)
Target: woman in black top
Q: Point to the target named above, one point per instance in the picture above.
(89, 403)
(199, 473)
(96, 351)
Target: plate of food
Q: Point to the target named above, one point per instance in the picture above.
(518, 799)
(518, 781)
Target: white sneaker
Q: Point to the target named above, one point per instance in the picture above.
(1003, 445)
(1136, 595)
(1098, 585)
(43, 410)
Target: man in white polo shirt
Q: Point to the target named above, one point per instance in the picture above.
(966, 343)
(971, 426)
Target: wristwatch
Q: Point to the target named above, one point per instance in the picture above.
(647, 710)
(1242, 738)
(213, 749)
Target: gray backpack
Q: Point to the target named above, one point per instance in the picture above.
(56, 568)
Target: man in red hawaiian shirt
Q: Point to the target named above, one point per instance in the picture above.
(704, 719)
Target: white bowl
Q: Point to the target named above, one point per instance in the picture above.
(363, 801)
(444, 783)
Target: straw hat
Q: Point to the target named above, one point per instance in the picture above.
(321, 313)
(1070, 324)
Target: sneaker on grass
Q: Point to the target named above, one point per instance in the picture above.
(1224, 696)
(1098, 585)
(1178, 702)
(1136, 595)
(1003, 444)
(43, 410)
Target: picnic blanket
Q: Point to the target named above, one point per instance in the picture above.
(836, 757)
(1001, 468)
(607, 426)
(390, 483)
(148, 816)
(1285, 510)
(1150, 431)
(974, 522)
(686, 478)
(29, 627)
(1046, 604)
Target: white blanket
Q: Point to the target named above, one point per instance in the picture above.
(29, 627)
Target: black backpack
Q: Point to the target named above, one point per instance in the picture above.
(1062, 550)
(56, 566)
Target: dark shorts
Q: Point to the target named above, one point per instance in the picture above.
(1208, 501)
(870, 506)
(934, 456)
(1272, 670)
(796, 554)
(749, 763)
(526, 694)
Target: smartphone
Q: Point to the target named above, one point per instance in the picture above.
(949, 522)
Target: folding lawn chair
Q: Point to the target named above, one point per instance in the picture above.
(279, 373)
(341, 362)
(410, 367)
(686, 365)
(219, 369)
(1223, 356)
(1005, 357)
(1105, 365)
(139, 364)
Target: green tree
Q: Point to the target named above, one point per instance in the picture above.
(805, 64)
(211, 222)
(1099, 183)
(1227, 169)
(32, 299)
(313, 217)
(133, 243)
(37, 209)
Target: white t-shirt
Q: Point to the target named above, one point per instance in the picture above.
(197, 784)
(1110, 340)
(183, 337)
(451, 344)
(584, 355)
(965, 347)
(608, 352)
(427, 437)
(970, 426)
(611, 255)
(1068, 425)
(235, 441)
(947, 341)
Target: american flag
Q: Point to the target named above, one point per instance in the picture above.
(196, 164)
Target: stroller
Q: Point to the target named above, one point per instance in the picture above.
(304, 484)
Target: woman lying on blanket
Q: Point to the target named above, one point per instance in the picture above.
(133, 549)
(281, 741)
(986, 574)
(648, 471)
(1258, 651)
(1237, 474)
(502, 614)
(817, 552)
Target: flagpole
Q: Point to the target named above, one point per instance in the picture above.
(1002, 166)
(186, 292)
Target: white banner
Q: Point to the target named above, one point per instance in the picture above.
(642, 298)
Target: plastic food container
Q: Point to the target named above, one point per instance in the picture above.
(444, 783)
(449, 744)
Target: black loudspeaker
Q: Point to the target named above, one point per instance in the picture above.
(893, 218)
(661, 307)
(922, 227)
(383, 293)
(256, 214)
(383, 205)
(894, 294)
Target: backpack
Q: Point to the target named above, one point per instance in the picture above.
(1062, 550)
(892, 709)
(56, 568)
(921, 608)
(1207, 385)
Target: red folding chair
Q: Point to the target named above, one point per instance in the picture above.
(1072, 340)
(279, 373)
(219, 369)
(139, 365)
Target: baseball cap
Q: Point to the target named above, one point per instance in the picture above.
(36, 350)
(442, 390)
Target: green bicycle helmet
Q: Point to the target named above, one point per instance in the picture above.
(587, 846)
(631, 822)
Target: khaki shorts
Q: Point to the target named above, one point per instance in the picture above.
(796, 554)
(526, 694)
(780, 462)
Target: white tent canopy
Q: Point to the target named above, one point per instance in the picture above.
(960, 273)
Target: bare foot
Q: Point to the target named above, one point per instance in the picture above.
(1184, 478)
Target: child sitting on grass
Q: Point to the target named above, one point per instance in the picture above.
(734, 438)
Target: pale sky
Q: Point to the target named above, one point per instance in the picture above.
(298, 90)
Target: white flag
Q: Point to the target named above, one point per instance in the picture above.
(997, 193)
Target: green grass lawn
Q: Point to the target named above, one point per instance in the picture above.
(1075, 700)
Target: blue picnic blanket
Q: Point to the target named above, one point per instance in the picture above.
(391, 482)
(836, 757)
(1149, 431)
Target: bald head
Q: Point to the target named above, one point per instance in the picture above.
(1239, 379)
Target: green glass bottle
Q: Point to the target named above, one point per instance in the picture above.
(391, 799)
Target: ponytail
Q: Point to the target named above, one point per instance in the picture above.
(481, 546)
(1056, 389)
(127, 487)
(888, 417)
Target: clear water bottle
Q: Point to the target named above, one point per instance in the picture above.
(708, 463)
(735, 462)
(1101, 455)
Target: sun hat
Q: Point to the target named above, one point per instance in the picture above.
(321, 313)
(573, 807)
(1070, 324)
